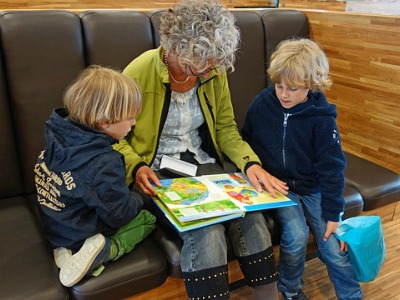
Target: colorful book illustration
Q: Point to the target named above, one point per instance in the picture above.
(194, 202)
(185, 226)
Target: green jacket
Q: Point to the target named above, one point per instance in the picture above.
(219, 133)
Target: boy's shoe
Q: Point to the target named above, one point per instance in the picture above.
(60, 256)
(300, 296)
(89, 257)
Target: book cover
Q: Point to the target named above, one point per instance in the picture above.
(212, 198)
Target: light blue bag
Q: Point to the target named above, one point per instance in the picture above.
(366, 246)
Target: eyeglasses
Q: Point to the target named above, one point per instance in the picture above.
(208, 70)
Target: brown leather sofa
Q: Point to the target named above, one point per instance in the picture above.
(41, 52)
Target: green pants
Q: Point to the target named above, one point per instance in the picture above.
(129, 235)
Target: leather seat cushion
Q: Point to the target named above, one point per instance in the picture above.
(142, 269)
(27, 268)
(377, 185)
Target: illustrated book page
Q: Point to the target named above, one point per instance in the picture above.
(212, 198)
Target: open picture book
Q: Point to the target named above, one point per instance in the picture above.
(194, 202)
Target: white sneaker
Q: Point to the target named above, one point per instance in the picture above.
(60, 255)
(76, 266)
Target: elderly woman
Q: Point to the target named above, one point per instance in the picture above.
(187, 113)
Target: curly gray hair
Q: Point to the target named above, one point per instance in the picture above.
(199, 31)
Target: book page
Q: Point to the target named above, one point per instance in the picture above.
(238, 187)
(194, 198)
(208, 196)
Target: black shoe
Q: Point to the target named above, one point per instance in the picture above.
(300, 296)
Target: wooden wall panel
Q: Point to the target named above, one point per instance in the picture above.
(364, 54)
(331, 5)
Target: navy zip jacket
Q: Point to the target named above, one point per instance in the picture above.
(301, 146)
(80, 182)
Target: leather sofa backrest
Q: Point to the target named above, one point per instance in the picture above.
(43, 52)
(282, 24)
(10, 177)
(248, 79)
(114, 38)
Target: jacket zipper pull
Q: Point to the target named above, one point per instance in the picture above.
(286, 116)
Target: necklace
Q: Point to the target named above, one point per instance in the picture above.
(170, 74)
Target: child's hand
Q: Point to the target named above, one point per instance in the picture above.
(330, 228)
(257, 174)
(143, 177)
(343, 246)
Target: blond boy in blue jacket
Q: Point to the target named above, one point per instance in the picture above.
(89, 215)
(292, 128)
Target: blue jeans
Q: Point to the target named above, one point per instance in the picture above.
(204, 255)
(294, 222)
(206, 247)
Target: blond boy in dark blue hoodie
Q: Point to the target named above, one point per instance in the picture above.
(89, 214)
(292, 128)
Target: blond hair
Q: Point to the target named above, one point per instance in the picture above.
(300, 63)
(102, 96)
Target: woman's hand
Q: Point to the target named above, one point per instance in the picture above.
(144, 177)
(330, 229)
(258, 176)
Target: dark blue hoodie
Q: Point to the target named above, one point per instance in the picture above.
(80, 182)
(300, 146)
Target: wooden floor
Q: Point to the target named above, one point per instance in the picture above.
(317, 285)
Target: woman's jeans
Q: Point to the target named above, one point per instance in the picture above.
(293, 221)
(204, 256)
(204, 261)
